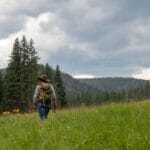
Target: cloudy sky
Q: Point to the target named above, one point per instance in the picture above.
(87, 38)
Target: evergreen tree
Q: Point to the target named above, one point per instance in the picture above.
(1, 92)
(13, 77)
(29, 71)
(21, 75)
(41, 69)
(60, 89)
(24, 71)
(32, 70)
(49, 71)
(147, 90)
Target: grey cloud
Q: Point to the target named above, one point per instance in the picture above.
(11, 25)
(125, 64)
(108, 28)
(13, 16)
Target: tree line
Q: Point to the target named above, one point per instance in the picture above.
(88, 97)
(17, 84)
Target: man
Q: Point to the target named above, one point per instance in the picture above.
(44, 95)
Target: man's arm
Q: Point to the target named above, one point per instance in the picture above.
(36, 94)
(53, 92)
(54, 99)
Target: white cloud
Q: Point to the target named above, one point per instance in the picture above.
(143, 74)
(45, 41)
(48, 36)
(5, 49)
(83, 76)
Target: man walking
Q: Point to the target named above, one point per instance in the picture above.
(44, 96)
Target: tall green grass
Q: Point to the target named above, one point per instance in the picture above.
(110, 127)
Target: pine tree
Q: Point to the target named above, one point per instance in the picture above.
(24, 71)
(32, 68)
(147, 90)
(60, 89)
(49, 71)
(13, 77)
(29, 71)
(1, 92)
(21, 75)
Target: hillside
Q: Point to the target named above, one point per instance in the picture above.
(76, 86)
(113, 84)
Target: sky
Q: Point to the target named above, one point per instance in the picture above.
(86, 38)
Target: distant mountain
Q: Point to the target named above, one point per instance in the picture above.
(113, 84)
(76, 86)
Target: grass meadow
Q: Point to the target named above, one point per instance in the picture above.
(108, 127)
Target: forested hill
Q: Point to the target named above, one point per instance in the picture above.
(100, 84)
(113, 84)
(74, 86)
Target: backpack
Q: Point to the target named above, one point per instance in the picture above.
(45, 92)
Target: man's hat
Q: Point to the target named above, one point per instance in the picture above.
(43, 78)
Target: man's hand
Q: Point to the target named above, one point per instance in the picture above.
(34, 105)
(54, 104)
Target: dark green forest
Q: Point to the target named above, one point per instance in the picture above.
(18, 81)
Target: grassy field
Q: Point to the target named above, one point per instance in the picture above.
(109, 127)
